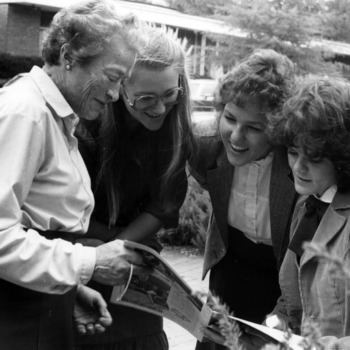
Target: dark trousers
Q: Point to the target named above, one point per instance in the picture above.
(246, 280)
(31, 320)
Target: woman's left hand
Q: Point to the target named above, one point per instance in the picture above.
(90, 313)
(213, 336)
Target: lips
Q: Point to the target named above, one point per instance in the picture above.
(301, 179)
(153, 116)
(238, 149)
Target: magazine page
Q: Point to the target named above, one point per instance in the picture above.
(293, 340)
(271, 335)
(163, 293)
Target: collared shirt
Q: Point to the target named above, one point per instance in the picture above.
(329, 194)
(249, 209)
(44, 185)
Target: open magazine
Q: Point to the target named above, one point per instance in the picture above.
(165, 293)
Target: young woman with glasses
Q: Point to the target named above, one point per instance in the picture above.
(136, 157)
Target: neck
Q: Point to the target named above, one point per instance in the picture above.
(54, 72)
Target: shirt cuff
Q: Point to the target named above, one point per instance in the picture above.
(88, 264)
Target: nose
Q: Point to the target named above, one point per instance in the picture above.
(237, 133)
(300, 165)
(160, 107)
(113, 92)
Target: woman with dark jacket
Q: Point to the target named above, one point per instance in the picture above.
(250, 189)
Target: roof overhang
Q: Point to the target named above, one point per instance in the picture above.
(146, 12)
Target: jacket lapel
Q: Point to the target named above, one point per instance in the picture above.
(330, 225)
(282, 201)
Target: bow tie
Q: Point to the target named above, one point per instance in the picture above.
(314, 205)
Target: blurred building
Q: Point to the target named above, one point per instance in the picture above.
(23, 26)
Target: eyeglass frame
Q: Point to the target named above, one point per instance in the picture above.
(179, 87)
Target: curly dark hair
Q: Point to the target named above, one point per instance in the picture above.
(317, 119)
(265, 77)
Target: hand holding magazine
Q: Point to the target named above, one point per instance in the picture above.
(166, 294)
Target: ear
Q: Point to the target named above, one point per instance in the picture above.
(65, 55)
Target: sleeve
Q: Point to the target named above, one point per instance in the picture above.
(209, 148)
(27, 258)
(167, 211)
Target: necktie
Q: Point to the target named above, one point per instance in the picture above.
(314, 211)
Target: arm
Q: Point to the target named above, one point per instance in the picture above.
(26, 257)
(209, 148)
(144, 226)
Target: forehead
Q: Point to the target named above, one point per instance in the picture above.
(118, 55)
(249, 113)
(150, 80)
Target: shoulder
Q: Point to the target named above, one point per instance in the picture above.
(210, 149)
(22, 97)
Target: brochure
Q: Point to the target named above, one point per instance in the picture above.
(165, 293)
(270, 335)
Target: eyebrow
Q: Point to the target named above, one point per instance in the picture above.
(249, 122)
(145, 93)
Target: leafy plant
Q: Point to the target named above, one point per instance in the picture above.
(194, 219)
(310, 329)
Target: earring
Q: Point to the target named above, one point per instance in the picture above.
(68, 66)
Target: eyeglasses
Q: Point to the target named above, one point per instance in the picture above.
(169, 99)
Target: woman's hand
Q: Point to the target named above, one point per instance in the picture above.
(90, 312)
(213, 336)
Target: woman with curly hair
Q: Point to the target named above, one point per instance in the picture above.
(315, 126)
(136, 158)
(249, 186)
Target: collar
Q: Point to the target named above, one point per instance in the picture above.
(329, 194)
(51, 93)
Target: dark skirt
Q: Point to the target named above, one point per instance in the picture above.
(246, 280)
(35, 321)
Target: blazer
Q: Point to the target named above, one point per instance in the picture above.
(314, 290)
(214, 172)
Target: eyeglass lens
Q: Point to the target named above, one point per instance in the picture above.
(171, 97)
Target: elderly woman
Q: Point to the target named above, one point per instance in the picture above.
(45, 195)
(315, 126)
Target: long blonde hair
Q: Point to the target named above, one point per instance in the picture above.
(176, 138)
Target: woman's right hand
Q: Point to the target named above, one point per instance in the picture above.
(113, 263)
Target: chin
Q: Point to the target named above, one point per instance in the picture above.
(235, 161)
(153, 127)
(303, 191)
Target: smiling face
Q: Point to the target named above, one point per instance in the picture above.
(149, 82)
(310, 177)
(242, 131)
(90, 87)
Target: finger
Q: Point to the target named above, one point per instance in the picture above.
(134, 258)
(99, 328)
(81, 329)
(213, 336)
(90, 329)
(106, 320)
(142, 270)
